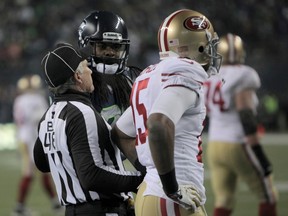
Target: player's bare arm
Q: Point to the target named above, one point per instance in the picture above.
(161, 140)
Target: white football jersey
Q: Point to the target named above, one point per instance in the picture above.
(169, 73)
(224, 121)
(28, 109)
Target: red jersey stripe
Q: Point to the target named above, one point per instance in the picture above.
(163, 207)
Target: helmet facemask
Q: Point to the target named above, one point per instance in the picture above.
(110, 57)
(211, 51)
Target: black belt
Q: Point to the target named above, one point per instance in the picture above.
(99, 208)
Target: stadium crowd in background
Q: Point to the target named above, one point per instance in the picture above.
(28, 27)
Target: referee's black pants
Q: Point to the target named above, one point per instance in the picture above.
(99, 208)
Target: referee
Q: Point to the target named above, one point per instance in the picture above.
(74, 141)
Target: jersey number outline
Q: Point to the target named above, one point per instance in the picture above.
(215, 96)
(141, 109)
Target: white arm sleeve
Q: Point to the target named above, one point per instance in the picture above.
(125, 123)
(174, 101)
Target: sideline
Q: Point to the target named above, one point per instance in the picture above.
(8, 137)
(268, 138)
(281, 185)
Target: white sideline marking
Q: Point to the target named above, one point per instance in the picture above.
(7, 134)
(282, 186)
(267, 139)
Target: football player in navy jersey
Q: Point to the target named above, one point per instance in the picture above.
(107, 33)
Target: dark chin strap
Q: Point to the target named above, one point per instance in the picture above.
(107, 60)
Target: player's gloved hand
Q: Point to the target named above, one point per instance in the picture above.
(130, 207)
(186, 196)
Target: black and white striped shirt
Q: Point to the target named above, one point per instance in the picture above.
(74, 145)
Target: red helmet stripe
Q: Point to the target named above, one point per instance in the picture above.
(163, 33)
(159, 43)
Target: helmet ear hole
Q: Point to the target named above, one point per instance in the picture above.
(201, 49)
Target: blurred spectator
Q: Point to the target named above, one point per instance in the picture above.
(269, 112)
(28, 108)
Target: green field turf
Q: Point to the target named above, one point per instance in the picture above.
(246, 203)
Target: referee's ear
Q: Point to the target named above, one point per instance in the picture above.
(78, 77)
